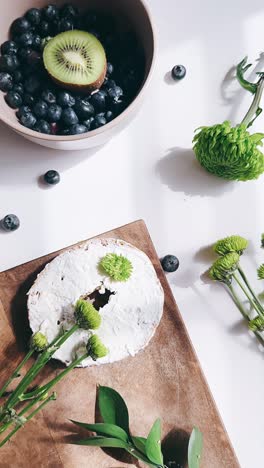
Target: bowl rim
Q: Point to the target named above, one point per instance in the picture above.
(24, 131)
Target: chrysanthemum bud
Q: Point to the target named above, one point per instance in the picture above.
(261, 272)
(118, 267)
(86, 315)
(39, 342)
(95, 348)
(224, 267)
(231, 244)
(256, 324)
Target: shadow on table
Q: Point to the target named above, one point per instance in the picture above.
(181, 172)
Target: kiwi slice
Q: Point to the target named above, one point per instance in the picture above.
(76, 60)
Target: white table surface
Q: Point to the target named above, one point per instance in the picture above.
(148, 171)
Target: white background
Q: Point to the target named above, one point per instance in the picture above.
(149, 172)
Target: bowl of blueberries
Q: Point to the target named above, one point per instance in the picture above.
(72, 75)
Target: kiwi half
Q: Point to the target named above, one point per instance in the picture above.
(76, 60)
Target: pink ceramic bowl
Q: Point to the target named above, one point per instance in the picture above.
(138, 15)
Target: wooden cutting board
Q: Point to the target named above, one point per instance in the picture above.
(165, 380)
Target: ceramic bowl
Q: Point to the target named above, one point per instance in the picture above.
(133, 11)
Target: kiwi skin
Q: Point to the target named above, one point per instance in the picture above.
(82, 89)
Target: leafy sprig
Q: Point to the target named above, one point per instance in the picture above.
(114, 433)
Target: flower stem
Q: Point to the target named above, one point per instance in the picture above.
(16, 372)
(256, 300)
(255, 109)
(246, 293)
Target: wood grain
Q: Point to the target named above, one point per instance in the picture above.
(165, 380)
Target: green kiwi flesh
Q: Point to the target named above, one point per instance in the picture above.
(76, 60)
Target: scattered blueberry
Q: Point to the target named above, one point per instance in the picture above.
(83, 108)
(28, 99)
(115, 93)
(170, 263)
(110, 84)
(17, 76)
(6, 82)
(18, 88)
(88, 123)
(28, 120)
(9, 48)
(10, 222)
(34, 58)
(178, 72)
(109, 115)
(54, 113)
(40, 109)
(44, 28)
(110, 69)
(8, 63)
(65, 99)
(77, 129)
(43, 127)
(69, 117)
(51, 12)
(23, 54)
(48, 96)
(36, 44)
(34, 16)
(98, 100)
(19, 26)
(26, 39)
(23, 110)
(66, 24)
(52, 177)
(99, 121)
(32, 84)
(13, 99)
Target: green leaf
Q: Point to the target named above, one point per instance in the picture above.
(195, 448)
(139, 443)
(104, 430)
(137, 454)
(153, 444)
(113, 408)
(103, 442)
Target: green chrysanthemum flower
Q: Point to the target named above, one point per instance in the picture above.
(262, 240)
(229, 152)
(261, 272)
(95, 348)
(39, 342)
(86, 315)
(224, 267)
(256, 324)
(231, 244)
(118, 267)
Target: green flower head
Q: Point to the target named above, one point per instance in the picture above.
(95, 348)
(118, 267)
(86, 315)
(262, 241)
(231, 244)
(229, 152)
(256, 324)
(261, 271)
(38, 342)
(224, 267)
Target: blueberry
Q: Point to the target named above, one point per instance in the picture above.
(36, 44)
(6, 82)
(88, 123)
(66, 24)
(110, 69)
(51, 12)
(109, 84)
(65, 99)
(9, 48)
(23, 54)
(40, 109)
(109, 116)
(54, 113)
(34, 16)
(26, 39)
(65, 131)
(83, 108)
(18, 88)
(32, 84)
(8, 63)
(42, 127)
(28, 120)
(19, 26)
(54, 128)
(44, 28)
(14, 100)
(99, 121)
(10, 222)
(115, 93)
(48, 96)
(52, 177)
(98, 100)
(17, 76)
(69, 117)
(69, 11)
(28, 99)
(77, 129)
(34, 58)
(170, 263)
(23, 110)
(178, 72)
